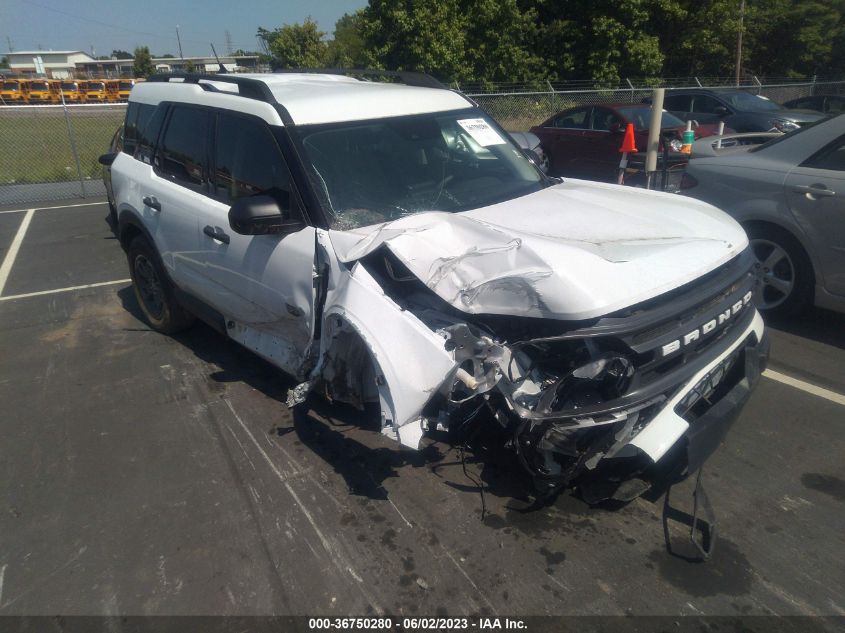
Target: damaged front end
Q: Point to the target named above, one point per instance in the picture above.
(609, 405)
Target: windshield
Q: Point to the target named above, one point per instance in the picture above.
(96, 86)
(39, 85)
(371, 172)
(11, 85)
(641, 118)
(747, 102)
(69, 85)
(126, 85)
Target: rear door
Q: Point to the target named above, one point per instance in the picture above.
(816, 193)
(262, 284)
(177, 185)
(704, 109)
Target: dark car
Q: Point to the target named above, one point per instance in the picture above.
(584, 142)
(828, 104)
(740, 110)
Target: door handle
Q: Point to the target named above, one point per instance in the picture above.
(151, 202)
(216, 234)
(814, 190)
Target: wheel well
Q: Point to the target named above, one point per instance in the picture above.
(128, 233)
(750, 225)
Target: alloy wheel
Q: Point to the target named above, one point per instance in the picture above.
(775, 274)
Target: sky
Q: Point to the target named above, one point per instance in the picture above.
(123, 24)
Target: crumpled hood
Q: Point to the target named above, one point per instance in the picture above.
(572, 251)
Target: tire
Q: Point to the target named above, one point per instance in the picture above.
(153, 290)
(785, 275)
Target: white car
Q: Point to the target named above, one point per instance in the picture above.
(391, 244)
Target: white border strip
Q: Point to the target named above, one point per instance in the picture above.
(9, 260)
(69, 289)
(807, 387)
(65, 206)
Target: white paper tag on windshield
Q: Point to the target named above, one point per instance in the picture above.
(481, 132)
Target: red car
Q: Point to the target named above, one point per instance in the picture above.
(584, 142)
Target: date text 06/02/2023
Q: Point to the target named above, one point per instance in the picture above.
(416, 624)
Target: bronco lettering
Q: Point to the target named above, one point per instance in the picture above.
(707, 328)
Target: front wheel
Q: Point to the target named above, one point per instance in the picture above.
(153, 290)
(784, 273)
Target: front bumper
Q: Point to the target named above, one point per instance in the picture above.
(707, 431)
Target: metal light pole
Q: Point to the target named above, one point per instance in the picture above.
(739, 41)
(178, 39)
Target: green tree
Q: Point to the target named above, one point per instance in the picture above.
(456, 40)
(348, 48)
(143, 64)
(296, 45)
(190, 67)
(119, 54)
(4, 62)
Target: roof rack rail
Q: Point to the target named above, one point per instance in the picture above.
(407, 77)
(247, 86)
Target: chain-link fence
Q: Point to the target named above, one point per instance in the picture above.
(50, 152)
(518, 109)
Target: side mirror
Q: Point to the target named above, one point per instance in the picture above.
(107, 159)
(534, 159)
(261, 215)
(720, 110)
(616, 128)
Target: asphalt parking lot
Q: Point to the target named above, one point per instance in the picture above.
(144, 474)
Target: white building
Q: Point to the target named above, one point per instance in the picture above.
(57, 64)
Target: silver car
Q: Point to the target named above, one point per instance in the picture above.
(789, 195)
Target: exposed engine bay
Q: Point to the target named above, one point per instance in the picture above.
(568, 398)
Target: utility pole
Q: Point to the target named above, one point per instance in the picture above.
(9, 42)
(178, 39)
(739, 41)
(229, 50)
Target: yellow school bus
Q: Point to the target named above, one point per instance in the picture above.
(71, 89)
(43, 92)
(124, 88)
(14, 91)
(95, 91)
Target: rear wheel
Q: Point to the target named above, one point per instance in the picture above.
(153, 290)
(784, 272)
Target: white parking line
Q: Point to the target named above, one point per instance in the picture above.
(64, 206)
(68, 289)
(9, 260)
(807, 387)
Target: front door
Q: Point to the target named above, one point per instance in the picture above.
(262, 284)
(816, 193)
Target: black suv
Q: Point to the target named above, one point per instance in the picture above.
(740, 110)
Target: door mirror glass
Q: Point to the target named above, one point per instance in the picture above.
(720, 110)
(261, 215)
(107, 159)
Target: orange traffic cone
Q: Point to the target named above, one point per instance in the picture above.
(629, 145)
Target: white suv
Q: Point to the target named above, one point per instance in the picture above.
(391, 244)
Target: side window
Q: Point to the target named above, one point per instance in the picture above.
(247, 161)
(604, 119)
(182, 153)
(677, 103)
(808, 102)
(831, 157)
(705, 104)
(835, 105)
(148, 126)
(578, 119)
